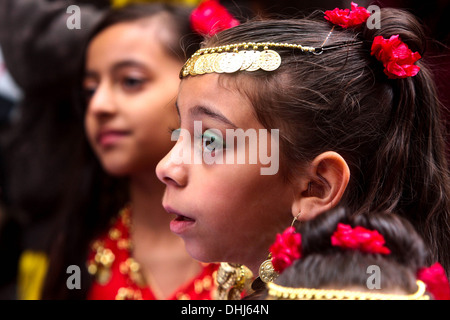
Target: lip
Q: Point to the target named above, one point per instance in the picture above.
(109, 137)
(181, 223)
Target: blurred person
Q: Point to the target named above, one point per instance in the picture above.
(56, 199)
(131, 80)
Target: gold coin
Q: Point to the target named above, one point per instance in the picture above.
(248, 58)
(255, 65)
(269, 60)
(216, 64)
(199, 65)
(209, 62)
(231, 62)
(191, 64)
(266, 271)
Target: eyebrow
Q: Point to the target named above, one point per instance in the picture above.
(117, 66)
(127, 63)
(203, 110)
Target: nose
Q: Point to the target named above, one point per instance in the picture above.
(172, 172)
(102, 101)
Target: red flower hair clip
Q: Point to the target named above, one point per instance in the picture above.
(286, 249)
(397, 58)
(359, 238)
(346, 18)
(210, 17)
(436, 281)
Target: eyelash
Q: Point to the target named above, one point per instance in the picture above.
(132, 83)
(221, 143)
(214, 139)
(129, 84)
(88, 93)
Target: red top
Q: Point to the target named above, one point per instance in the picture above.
(118, 276)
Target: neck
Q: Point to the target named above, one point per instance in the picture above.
(148, 214)
(160, 253)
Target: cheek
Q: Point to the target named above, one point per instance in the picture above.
(240, 209)
(239, 197)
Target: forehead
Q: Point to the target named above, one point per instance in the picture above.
(219, 92)
(142, 40)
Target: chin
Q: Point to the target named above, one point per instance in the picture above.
(116, 170)
(201, 254)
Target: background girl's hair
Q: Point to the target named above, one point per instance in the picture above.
(323, 265)
(388, 131)
(175, 18)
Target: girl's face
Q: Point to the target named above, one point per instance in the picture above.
(132, 82)
(224, 212)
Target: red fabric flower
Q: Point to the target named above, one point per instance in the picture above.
(397, 58)
(210, 17)
(346, 18)
(286, 249)
(436, 281)
(359, 238)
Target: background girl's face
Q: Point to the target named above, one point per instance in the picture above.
(132, 82)
(224, 212)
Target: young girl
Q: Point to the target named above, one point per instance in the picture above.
(131, 79)
(375, 256)
(357, 126)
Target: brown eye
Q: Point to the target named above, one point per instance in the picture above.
(88, 93)
(89, 87)
(130, 83)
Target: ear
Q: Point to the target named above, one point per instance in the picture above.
(322, 187)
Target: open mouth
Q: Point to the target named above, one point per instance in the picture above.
(181, 224)
(183, 218)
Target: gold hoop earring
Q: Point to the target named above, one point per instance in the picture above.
(295, 218)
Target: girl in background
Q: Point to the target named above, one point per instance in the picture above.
(131, 79)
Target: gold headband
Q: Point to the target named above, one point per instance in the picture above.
(245, 56)
(229, 58)
(277, 292)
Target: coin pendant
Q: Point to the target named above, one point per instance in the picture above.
(217, 63)
(191, 65)
(266, 271)
(231, 62)
(199, 65)
(255, 65)
(209, 62)
(248, 58)
(269, 60)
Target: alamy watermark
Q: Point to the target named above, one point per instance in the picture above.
(74, 20)
(210, 147)
(374, 21)
(374, 280)
(74, 280)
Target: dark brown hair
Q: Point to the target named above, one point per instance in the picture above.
(174, 18)
(323, 265)
(388, 131)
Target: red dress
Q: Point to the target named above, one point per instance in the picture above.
(118, 276)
